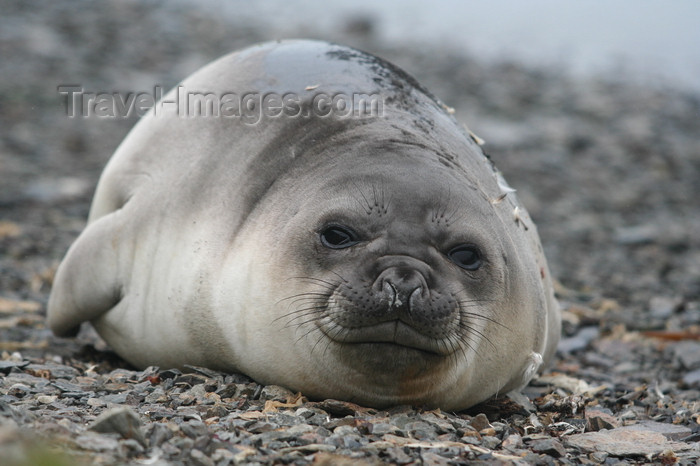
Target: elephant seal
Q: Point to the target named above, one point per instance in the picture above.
(359, 248)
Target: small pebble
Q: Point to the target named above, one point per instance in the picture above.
(688, 354)
(597, 419)
(551, 447)
(123, 421)
(480, 422)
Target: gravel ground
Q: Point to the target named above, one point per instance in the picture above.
(609, 171)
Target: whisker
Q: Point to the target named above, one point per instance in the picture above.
(367, 206)
(382, 193)
(388, 202)
(304, 302)
(331, 285)
(474, 331)
(338, 330)
(311, 329)
(464, 291)
(466, 343)
(302, 314)
(308, 293)
(322, 336)
(487, 318)
(318, 317)
(342, 279)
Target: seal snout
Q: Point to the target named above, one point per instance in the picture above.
(403, 288)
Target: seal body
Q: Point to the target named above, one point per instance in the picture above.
(317, 220)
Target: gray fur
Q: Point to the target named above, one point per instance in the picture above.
(203, 245)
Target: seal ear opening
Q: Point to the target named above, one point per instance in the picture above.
(86, 283)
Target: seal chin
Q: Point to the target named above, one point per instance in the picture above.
(393, 336)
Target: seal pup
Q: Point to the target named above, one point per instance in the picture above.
(317, 220)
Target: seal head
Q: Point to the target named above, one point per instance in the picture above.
(375, 257)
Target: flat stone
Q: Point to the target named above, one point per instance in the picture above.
(670, 431)
(624, 442)
(382, 428)
(637, 234)
(26, 379)
(499, 426)
(19, 390)
(304, 412)
(159, 434)
(276, 393)
(216, 411)
(57, 371)
(551, 447)
(258, 427)
(480, 422)
(283, 419)
(470, 440)
(97, 442)
(578, 342)
(156, 396)
(298, 430)
(597, 419)
(568, 383)
(115, 398)
(442, 426)
(200, 459)
(339, 408)
(199, 392)
(400, 420)
(433, 459)
(328, 458)
(132, 447)
(490, 442)
(66, 386)
(7, 366)
(194, 429)
(222, 455)
(421, 430)
(46, 399)
(169, 374)
(512, 441)
(692, 378)
(310, 448)
(688, 354)
(123, 421)
(190, 379)
(662, 307)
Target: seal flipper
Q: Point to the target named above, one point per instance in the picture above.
(87, 282)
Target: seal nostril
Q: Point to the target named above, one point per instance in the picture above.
(390, 292)
(416, 294)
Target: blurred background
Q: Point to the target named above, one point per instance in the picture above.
(649, 41)
(591, 110)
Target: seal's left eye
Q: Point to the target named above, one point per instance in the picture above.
(338, 237)
(466, 256)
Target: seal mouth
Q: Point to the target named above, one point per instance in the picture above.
(390, 334)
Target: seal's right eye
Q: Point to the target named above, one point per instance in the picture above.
(338, 237)
(466, 256)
